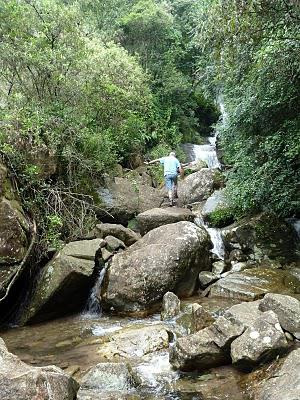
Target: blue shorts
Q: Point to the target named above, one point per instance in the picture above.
(170, 181)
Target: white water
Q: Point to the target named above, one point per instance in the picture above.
(156, 372)
(215, 237)
(207, 153)
(93, 306)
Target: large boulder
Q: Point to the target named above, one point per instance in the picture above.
(156, 217)
(197, 352)
(259, 343)
(14, 227)
(123, 198)
(63, 285)
(264, 235)
(119, 231)
(286, 308)
(19, 381)
(253, 284)
(282, 381)
(168, 258)
(199, 186)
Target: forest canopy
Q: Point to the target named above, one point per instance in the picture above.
(93, 83)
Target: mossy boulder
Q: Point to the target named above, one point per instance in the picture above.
(264, 235)
(217, 210)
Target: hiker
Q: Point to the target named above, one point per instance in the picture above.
(172, 169)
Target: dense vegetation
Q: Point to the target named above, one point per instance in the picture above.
(250, 52)
(87, 84)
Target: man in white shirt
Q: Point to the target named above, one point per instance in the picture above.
(172, 169)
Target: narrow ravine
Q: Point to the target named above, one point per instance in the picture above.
(79, 342)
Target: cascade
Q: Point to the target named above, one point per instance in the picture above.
(93, 306)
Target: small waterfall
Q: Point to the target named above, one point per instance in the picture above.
(217, 240)
(93, 305)
(207, 153)
(215, 236)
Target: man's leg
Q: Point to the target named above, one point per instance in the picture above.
(169, 187)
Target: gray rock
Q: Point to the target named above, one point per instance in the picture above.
(197, 352)
(19, 381)
(198, 186)
(108, 377)
(286, 308)
(134, 342)
(260, 343)
(263, 235)
(244, 313)
(284, 381)
(64, 283)
(168, 258)
(254, 283)
(119, 231)
(240, 266)
(106, 255)
(113, 243)
(156, 217)
(170, 306)
(206, 278)
(225, 330)
(237, 255)
(123, 198)
(218, 267)
(94, 394)
(193, 319)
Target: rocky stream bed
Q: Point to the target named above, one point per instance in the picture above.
(182, 307)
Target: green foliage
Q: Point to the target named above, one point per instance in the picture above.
(221, 218)
(54, 231)
(250, 52)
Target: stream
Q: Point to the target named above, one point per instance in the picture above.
(78, 342)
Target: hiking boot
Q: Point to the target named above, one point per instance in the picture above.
(171, 204)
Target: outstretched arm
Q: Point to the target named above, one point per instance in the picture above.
(152, 162)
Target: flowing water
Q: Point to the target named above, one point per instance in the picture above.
(79, 342)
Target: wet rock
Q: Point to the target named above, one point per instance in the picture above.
(206, 278)
(284, 381)
(170, 306)
(197, 352)
(218, 267)
(113, 243)
(237, 255)
(287, 310)
(64, 283)
(259, 343)
(126, 235)
(168, 258)
(123, 199)
(19, 381)
(156, 217)
(217, 210)
(107, 377)
(254, 283)
(263, 235)
(93, 394)
(241, 266)
(198, 186)
(134, 342)
(201, 318)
